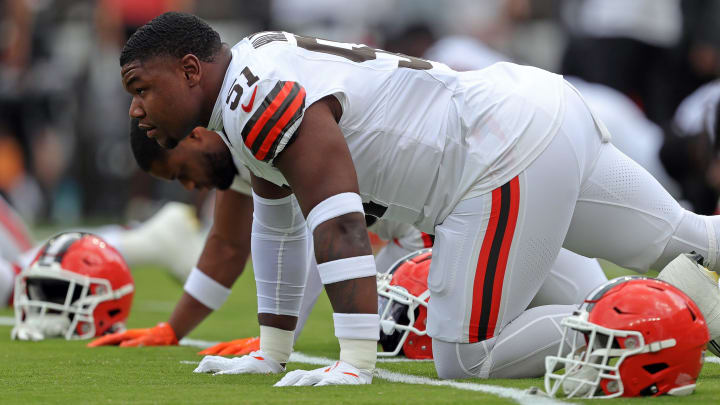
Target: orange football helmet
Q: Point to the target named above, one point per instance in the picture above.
(77, 287)
(637, 337)
(403, 295)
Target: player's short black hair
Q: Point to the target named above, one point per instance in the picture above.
(146, 150)
(172, 34)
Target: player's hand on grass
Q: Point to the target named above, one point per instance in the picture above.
(255, 363)
(35, 328)
(22, 332)
(237, 347)
(160, 335)
(340, 373)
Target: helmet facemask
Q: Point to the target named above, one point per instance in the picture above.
(398, 311)
(633, 336)
(592, 356)
(403, 296)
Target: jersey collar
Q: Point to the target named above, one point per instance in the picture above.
(216, 119)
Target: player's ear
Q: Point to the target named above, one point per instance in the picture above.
(191, 69)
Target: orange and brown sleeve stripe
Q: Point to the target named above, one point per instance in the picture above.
(277, 113)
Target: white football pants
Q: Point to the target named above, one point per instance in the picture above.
(572, 277)
(494, 252)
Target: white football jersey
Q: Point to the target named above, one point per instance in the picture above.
(241, 181)
(421, 136)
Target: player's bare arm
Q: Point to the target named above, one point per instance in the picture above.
(317, 166)
(223, 258)
(224, 254)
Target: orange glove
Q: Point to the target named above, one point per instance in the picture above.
(160, 335)
(235, 347)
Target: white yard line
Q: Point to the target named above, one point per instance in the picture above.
(712, 359)
(401, 360)
(7, 320)
(518, 395)
(200, 344)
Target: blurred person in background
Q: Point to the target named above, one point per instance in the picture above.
(626, 45)
(654, 51)
(58, 59)
(108, 175)
(691, 149)
(62, 166)
(29, 100)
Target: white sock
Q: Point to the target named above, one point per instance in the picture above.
(358, 335)
(276, 343)
(359, 352)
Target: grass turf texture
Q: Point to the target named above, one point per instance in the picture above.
(58, 371)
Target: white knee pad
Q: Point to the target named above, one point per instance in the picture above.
(518, 351)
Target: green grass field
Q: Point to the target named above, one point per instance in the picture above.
(58, 371)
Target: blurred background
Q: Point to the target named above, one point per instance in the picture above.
(648, 67)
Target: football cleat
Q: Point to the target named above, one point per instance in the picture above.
(172, 238)
(687, 273)
(340, 373)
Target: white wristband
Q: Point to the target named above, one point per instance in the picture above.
(333, 207)
(347, 269)
(206, 290)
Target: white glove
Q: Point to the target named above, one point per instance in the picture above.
(41, 327)
(26, 332)
(341, 373)
(253, 363)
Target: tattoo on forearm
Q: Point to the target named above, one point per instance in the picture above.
(341, 237)
(338, 238)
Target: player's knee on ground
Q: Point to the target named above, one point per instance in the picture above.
(460, 360)
(518, 351)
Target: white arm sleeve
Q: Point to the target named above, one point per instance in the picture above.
(279, 243)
